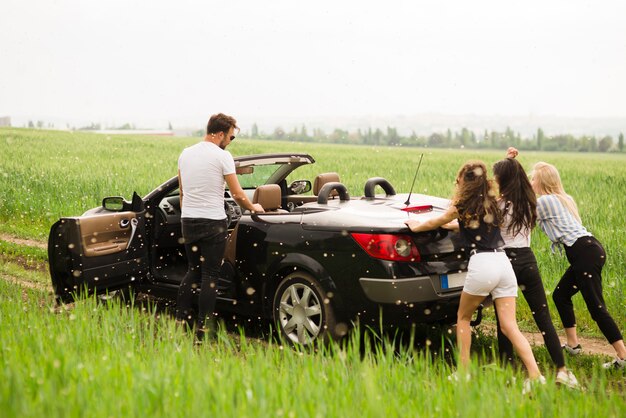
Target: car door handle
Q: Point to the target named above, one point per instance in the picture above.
(124, 223)
(133, 224)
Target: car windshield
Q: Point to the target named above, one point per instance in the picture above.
(259, 176)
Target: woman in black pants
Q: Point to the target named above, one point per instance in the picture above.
(518, 203)
(558, 217)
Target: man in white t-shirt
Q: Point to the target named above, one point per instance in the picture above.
(202, 170)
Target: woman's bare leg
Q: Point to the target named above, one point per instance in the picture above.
(620, 349)
(467, 307)
(572, 337)
(508, 323)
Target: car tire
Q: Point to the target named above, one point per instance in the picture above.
(302, 311)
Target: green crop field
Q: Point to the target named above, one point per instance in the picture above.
(93, 359)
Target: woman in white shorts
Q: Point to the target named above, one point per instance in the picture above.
(475, 207)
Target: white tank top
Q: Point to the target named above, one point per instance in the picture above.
(519, 240)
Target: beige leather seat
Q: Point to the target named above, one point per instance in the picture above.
(322, 179)
(319, 181)
(268, 196)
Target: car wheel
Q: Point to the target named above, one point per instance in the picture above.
(302, 311)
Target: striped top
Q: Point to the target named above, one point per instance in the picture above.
(557, 222)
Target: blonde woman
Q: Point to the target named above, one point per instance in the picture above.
(557, 215)
(489, 271)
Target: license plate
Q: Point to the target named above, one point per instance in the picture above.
(452, 280)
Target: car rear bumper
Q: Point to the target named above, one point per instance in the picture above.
(410, 290)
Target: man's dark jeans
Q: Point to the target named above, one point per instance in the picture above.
(205, 241)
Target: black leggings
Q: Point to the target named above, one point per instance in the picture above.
(529, 281)
(584, 275)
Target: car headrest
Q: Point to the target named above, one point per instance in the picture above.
(322, 179)
(268, 196)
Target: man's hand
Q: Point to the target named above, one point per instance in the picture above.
(512, 152)
(257, 208)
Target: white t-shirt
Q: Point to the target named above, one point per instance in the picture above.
(519, 240)
(202, 169)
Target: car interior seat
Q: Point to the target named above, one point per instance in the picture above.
(269, 196)
(318, 183)
(322, 179)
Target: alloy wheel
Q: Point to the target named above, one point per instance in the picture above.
(300, 313)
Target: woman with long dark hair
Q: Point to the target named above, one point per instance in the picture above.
(489, 271)
(518, 204)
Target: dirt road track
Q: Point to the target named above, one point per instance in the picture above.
(27, 242)
(593, 346)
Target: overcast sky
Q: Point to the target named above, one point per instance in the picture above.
(154, 61)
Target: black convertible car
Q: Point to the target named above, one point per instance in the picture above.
(314, 263)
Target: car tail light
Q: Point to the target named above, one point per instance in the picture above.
(388, 246)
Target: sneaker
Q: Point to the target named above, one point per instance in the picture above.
(615, 364)
(572, 351)
(567, 378)
(529, 384)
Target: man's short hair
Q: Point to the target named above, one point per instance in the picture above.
(220, 123)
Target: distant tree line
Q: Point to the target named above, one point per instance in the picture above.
(39, 124)
(448, 139)
(464, 138)
(91, 127)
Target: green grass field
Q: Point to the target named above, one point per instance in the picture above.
(116, 361)
(46, 174)
(97, 360)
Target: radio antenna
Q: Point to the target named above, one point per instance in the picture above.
(408, 200)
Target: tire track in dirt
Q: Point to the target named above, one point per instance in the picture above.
(591, 346)
(27, 242)
(26, 283)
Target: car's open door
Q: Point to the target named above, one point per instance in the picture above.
(98, 252)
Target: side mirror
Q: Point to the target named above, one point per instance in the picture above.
(113, 203)
(300, 186)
